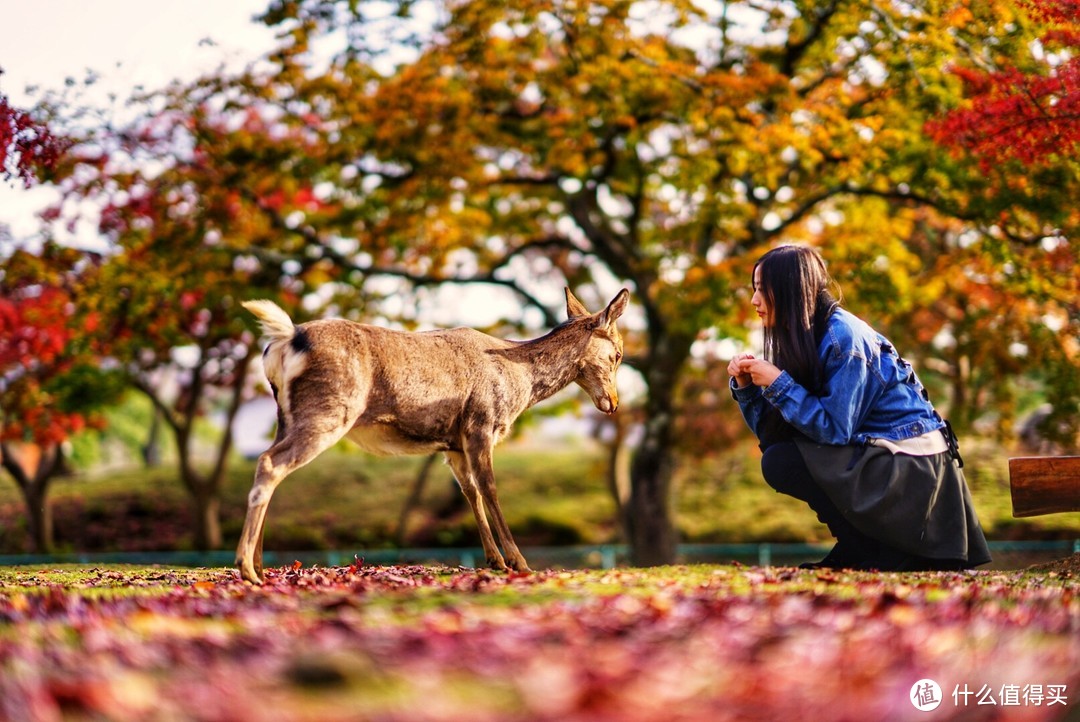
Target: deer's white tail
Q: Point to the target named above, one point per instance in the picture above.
(275, 323)
(281, 361)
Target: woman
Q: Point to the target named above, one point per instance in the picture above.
(846, 426)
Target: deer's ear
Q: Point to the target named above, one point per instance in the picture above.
(574, 307)
(615, 308)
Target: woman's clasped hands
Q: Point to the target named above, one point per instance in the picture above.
(746, 370)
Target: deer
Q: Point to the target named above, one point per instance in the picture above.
(391, 392)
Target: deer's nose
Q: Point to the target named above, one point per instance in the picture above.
(609, 404)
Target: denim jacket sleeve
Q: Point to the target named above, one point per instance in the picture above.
(752, 404)
(834, 417)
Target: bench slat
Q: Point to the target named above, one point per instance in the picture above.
(1044, 484)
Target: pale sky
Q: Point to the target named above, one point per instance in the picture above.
(153, 42)
(128, 43)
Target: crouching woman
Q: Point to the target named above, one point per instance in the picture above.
(846, 426)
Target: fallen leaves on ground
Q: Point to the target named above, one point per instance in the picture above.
(424, 643)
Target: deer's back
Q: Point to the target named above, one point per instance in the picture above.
(445, 354)
(407, 392)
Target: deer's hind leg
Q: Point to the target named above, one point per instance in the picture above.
(297, 446)
(467, 481)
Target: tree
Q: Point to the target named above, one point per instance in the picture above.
(184, 345)
(664, 145)
(179, 206)
(1019, 120)
(178, 195)
(50, 384)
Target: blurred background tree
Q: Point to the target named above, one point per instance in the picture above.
(52, 384)
(27, 145)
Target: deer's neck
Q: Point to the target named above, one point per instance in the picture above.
(554, 360)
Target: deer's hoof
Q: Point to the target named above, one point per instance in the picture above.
(249, 574)
(497, 565)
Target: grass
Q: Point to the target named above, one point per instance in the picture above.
(117, 581)
(554, 495)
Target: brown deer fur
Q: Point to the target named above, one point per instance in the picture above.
(393, 392)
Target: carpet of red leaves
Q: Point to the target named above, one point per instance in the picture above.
(423, 643)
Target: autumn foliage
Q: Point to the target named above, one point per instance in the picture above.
(26, 145)
(33, 335)
(51, 382)
(46, 350)
(1029, 112)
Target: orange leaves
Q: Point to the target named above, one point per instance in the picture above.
(958, 16)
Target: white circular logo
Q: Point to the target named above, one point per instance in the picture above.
(925, 695)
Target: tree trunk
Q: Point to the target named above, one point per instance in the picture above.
(618, 471)
(33, 467)
(205, 489)
(39, 517)
(205, 492)
(414, 499)
(151, 450)
(207, 521)
(649, 521)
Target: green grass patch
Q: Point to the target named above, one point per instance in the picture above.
(551, 497)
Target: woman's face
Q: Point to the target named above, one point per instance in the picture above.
(758, 300)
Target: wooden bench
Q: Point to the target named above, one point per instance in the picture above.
(1044, 484)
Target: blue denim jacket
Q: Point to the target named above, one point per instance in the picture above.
(870, 392)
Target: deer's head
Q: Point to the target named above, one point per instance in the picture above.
(603, 352)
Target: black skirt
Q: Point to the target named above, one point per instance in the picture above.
(917, 504)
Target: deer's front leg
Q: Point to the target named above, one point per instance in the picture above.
(460, 466)
(480, 463)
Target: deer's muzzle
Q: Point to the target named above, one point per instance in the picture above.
(608, 404)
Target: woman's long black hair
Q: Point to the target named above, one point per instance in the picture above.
(797, 287)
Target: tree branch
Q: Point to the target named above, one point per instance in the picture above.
(235, 400)
(166, 413)
(794, 52)
(8, 461)
(326, 251)
(894, 194)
